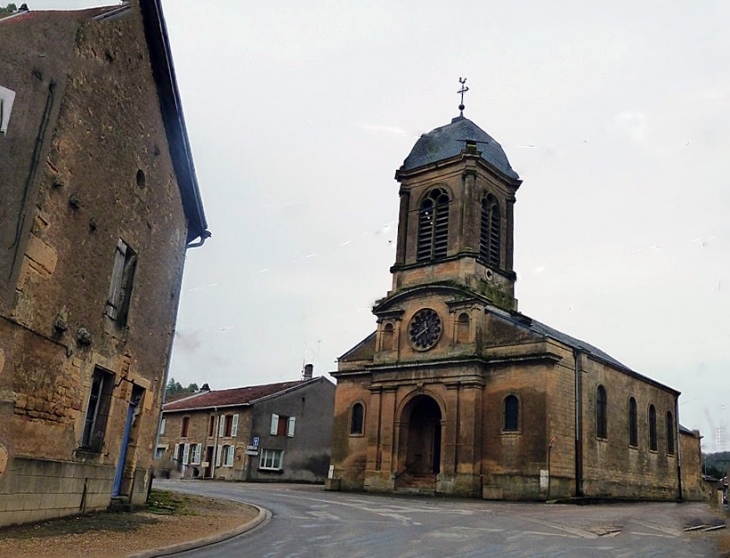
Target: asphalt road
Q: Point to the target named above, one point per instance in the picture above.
(309, 522)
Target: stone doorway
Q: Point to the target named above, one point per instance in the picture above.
(420, 440)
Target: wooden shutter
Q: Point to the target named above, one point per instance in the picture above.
(274, 424)
(174, 452)
(221, 425)
(116, 282)
(218, 451)
(186, 453)
(290, 427)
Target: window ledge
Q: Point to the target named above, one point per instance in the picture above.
(267, 470)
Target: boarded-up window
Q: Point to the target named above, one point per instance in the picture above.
(462, 328)
(185, 427)
(388, 337)
(211, 425)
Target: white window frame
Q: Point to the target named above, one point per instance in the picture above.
(195, 454)
(271, 460)
(228, 453)
(161, 448)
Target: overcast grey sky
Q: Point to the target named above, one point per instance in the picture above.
(616, 115)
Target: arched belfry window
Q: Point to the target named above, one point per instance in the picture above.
(601, 408)
(433, 226)
(490, 236)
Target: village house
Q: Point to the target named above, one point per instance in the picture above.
(458, 392)
(98, 203)
(273, 432)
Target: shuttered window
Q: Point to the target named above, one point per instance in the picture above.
(490, 235)
(433, 226)
(120, 288)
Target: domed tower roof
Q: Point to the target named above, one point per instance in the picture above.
(450, 140)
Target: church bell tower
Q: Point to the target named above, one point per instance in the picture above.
(457, 194)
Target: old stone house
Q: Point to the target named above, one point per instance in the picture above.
(98, 202)
(457, 391)
(272, 432)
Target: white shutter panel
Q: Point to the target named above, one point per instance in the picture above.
(234, 430)
(196, 454)
(174, 452)
(218, 455)
(274, 424)
(221, 425)
(186, 453)
(290, 427)
(162, 427)
(229, 456)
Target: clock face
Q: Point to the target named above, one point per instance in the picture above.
(425, 329)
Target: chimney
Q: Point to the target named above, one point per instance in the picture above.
(308, 371)
(205, 387)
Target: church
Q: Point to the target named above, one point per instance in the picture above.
(457, 392)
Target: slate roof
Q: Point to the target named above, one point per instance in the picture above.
(229, 397)
(448, 141)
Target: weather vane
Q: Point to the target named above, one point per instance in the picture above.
(463, 90)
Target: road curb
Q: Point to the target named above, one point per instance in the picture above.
(263, 516)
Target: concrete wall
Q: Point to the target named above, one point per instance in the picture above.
(307, 453)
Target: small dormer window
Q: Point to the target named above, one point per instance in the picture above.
(7, 97)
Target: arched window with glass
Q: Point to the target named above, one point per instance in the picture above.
(601, 408)
(652, 428)
(633, 423)
(511, 414)
(670, 433)
(357, 419)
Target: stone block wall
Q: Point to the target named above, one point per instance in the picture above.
(37, 489)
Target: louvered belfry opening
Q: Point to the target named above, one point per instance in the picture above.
(490, 237)
(433, 226)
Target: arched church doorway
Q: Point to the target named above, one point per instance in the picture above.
(421, 438)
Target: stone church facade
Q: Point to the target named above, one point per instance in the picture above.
(457, 392)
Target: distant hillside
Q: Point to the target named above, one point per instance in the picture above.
(715, 464)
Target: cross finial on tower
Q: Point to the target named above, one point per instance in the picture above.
(463, 90)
